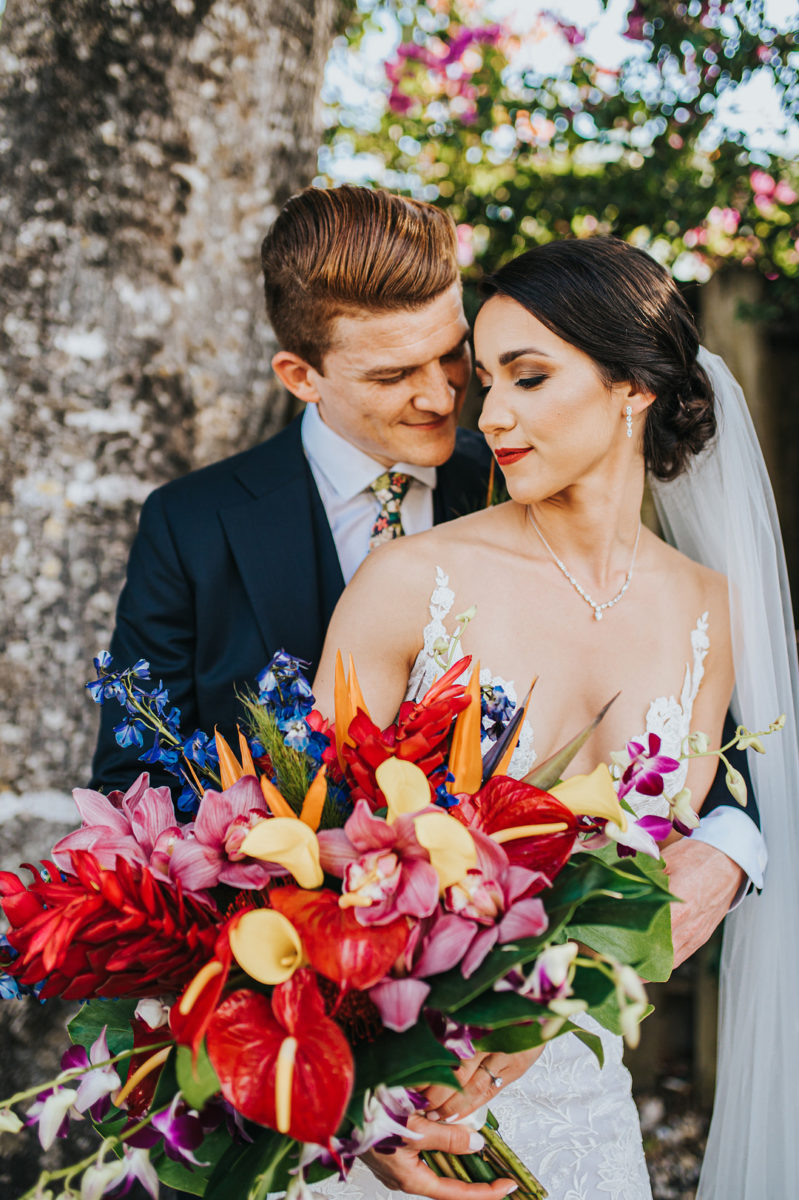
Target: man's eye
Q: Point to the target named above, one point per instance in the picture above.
(392, 378)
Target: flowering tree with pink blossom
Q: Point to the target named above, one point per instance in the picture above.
(521, 152)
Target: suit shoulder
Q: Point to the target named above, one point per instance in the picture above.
(218, 483)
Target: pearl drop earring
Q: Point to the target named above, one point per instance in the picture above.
(628, 413)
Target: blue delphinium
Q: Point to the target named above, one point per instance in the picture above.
(285, 691)
(496, 708)
(11, 988)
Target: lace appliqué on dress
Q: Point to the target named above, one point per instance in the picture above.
(670, 719)
(427, 669)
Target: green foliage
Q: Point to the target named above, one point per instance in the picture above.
(521, 154)
(116, 1015)
(197, 1081)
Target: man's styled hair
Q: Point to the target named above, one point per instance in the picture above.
(340, 251)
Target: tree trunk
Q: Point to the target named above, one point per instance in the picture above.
(147, 146)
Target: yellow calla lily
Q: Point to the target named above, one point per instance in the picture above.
(450, 846)
(289, 843)
(266, 945)
(591, 796)
(404, 786)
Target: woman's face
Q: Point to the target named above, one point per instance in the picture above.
(548, 416)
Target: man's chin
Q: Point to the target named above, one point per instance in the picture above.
(429, 445)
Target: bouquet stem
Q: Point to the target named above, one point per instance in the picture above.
(495, 1161)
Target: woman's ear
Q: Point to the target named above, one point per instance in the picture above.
(628, 394)
(296, 375)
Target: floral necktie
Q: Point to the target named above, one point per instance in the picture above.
(389, 489)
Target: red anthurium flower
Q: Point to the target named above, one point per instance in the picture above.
(419, 735)
(281, 1061)
(190, 1015)
(338, 946)
(100, 932)
(504, 804)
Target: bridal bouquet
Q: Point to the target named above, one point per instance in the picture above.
(320, 924)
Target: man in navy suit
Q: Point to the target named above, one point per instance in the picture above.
(250, 555)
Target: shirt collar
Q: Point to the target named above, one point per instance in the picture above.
(347, 469)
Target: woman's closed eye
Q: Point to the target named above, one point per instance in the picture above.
(530, 381)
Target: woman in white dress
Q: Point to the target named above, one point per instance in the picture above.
(587, 357)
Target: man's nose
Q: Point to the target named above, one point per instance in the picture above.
(435, 393)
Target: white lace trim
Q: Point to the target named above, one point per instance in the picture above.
(427, 669)
(670, 719)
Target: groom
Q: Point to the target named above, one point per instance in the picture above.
(239, 559)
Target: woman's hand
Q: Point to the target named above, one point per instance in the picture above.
(403, 1170)
(481, 1079)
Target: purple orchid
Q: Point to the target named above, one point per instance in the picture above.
(460, 1039)
(384, 1125)
(646, 768)
(386, 872)
(550, 978)
(102, 1177)
(51, 1112)
(181, 1129)
(99, 1081)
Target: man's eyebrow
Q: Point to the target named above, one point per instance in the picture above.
(406, 368)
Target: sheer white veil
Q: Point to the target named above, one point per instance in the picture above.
(721, 512)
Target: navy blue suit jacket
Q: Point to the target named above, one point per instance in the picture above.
(235, 561)
(231, 563)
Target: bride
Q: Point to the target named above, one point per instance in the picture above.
(592, 376)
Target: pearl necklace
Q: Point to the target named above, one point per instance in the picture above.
(598, 608)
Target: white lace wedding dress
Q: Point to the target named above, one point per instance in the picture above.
(574, 1124)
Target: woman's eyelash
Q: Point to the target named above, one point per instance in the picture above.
(530, 381)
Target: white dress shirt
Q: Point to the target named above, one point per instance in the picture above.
(343, 473)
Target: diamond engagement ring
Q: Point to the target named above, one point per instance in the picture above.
(496, 1080)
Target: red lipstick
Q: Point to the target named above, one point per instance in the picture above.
(510, 455)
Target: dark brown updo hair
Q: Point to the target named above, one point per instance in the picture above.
(622, 309)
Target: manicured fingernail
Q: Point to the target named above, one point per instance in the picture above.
(476, 1142)
(449, 1120)
(433, 1116)
(512, 1188)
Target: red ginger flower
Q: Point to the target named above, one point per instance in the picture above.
(419, 735)
(99, 932)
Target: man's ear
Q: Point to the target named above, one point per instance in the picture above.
(297, 375)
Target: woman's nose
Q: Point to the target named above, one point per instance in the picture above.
(495, 416)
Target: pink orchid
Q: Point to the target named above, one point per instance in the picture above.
(489, 905)
(213, 852)
(646, 768)
(494, 898)
(138, 826)
(386, 872)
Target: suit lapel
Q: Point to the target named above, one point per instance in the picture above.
(283, 547)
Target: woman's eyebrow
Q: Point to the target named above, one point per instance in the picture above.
(509, 355)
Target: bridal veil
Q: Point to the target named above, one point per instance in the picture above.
(721, 512)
